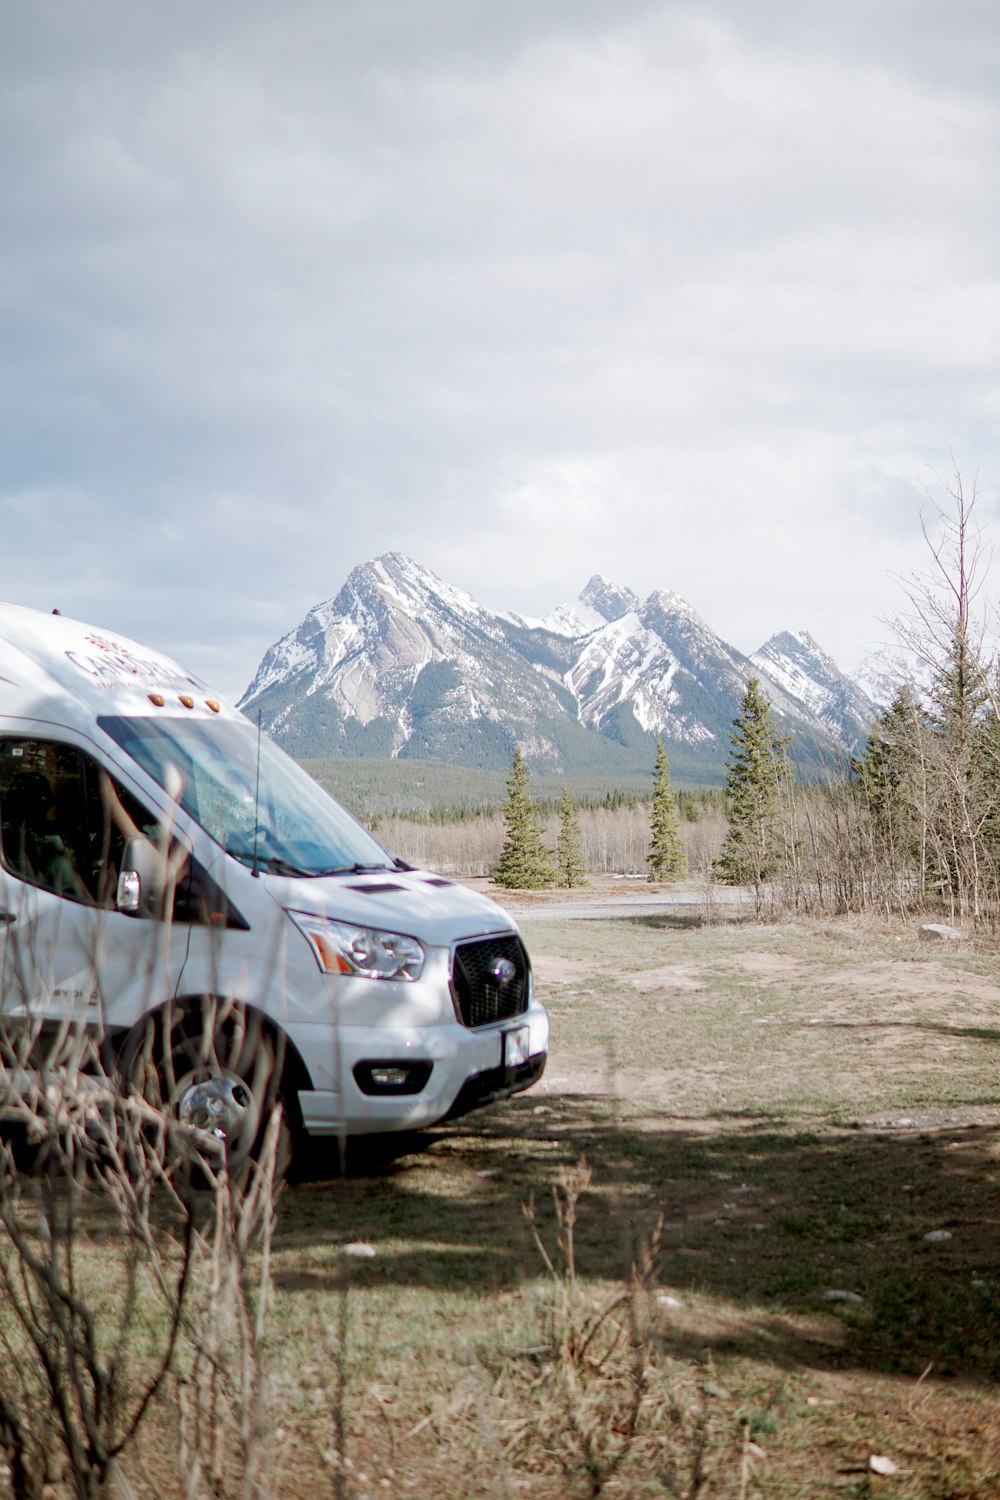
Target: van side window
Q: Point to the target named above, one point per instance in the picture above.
(63, 820)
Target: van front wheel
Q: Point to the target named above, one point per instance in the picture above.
(212, 1070)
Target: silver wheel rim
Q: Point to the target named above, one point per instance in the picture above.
(220, 1110)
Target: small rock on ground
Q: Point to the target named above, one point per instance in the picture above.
(939, 932)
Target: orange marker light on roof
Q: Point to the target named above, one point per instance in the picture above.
(186, 699)
(157, 700)
(215, 707)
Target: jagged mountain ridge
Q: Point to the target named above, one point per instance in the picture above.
(793, 660)
(400, 663)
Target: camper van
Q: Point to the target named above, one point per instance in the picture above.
(176, 887)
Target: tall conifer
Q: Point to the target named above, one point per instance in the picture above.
(888, 771)
(754, 780)
(667, 857)
(570, 869)
(525, 862)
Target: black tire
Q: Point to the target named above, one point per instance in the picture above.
(212, 1070)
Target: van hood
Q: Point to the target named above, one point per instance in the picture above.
(426, 906)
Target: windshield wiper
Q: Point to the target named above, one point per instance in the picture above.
(357, 869)
(273, 864)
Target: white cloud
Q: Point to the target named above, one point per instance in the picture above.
(690, 295)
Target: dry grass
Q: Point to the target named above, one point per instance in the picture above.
(746, 1302)
(801, 1106)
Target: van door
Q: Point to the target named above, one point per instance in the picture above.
(67, 954)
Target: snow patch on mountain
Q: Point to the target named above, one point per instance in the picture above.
(571, 620)
(417, 591)
(612, 662)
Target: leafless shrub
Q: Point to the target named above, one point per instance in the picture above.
(96, 1246)
(597, 1397)
(220, 1386)
(332, 1391)
(134, 1272)
(595, 1359)
(470, 846)
(946, 753)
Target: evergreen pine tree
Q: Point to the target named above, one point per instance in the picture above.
(887, 772)
(570, 869)
(958, 691)
(754, 779)
(988, 755)
(525, 862)
(667, 857)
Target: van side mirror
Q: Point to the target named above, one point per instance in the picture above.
(143, 879)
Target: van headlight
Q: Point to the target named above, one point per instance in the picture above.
(343, 948)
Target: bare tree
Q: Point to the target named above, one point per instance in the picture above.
(73, 1390)
(952, 779)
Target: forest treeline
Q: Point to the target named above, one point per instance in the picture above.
(692, 804)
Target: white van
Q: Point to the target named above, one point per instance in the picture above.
(175, 885)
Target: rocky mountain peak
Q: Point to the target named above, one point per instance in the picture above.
(610, 600)
(796, 648)
(664, 604)
(395, 578)
(793, 641)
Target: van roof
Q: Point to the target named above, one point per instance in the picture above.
(48, 661)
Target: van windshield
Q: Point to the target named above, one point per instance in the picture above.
(210, 767)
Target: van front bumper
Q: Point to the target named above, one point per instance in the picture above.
(467, 1069)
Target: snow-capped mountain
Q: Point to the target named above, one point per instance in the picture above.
(794, 662)
(882, 673)
(401, 663)
(680, 680)
(656, 663)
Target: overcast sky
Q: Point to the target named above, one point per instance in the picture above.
(702, 297)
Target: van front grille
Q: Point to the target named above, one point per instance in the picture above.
(489, 980)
